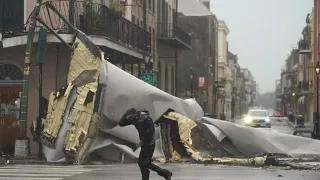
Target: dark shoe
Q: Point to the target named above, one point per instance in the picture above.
(169, 176)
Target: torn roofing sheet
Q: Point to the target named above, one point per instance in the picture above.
(264, 141)
(125, 90)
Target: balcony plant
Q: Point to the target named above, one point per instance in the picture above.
(222, 83)
(116, 7)
(91, 19)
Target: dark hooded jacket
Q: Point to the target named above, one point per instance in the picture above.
(144, 124)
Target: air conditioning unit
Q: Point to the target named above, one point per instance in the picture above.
(123, 2)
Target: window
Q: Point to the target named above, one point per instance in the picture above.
(149, 29)
(149, 4)
(166, 88)
(173, 88)
(133, 19)
(170, 14)
(141, 23)
(153, 6)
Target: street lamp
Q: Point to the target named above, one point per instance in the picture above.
(293, 94)
(317, 69)
(191, 81)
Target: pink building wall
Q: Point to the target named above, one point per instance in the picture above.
(54, 76)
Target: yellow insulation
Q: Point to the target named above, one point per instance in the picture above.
(185, 126)
(81, 114)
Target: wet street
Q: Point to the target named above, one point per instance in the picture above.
(181, 171)
(131, 172)
(279, 125)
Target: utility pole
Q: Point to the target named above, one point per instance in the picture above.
(40, 60)
(176, 56)
(22, 145)
(144, 19)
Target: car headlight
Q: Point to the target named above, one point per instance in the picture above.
(247, 119)
(267, 119)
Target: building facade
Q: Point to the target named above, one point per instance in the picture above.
(249, 88)
(236, 94)
(170, 43)
(297, 77)
(201, 61)
(224, 73)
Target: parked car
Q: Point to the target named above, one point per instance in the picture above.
(277, 114)
(257, 118)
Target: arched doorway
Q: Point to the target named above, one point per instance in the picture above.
(11, 76)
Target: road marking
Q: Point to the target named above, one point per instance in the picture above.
(27, 178)
(39, 172)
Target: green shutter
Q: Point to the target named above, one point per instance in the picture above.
(12, 15)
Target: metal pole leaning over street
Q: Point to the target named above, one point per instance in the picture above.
(26, 72)
(22, 143)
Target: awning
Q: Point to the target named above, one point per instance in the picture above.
(302, 100)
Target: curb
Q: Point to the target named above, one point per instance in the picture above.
(29, 161)
(292, 126)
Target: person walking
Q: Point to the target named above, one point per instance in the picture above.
(145, 127)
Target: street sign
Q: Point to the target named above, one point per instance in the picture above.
(148, 78)
(201, 81)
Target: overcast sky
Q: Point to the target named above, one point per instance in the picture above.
(262, 33)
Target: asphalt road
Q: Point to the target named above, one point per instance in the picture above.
(131, 172)
(279, 125)
(181, 171)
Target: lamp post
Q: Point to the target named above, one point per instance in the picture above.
(316, 125)
(191, 81)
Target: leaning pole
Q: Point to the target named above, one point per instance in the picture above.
(22, 144)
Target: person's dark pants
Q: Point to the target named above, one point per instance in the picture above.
(145, 163)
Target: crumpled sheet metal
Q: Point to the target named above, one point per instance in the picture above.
(124, 90)
(185, 128)
(244, 145)
(264, 141)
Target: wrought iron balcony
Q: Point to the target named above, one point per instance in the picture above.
(174, 35)
(91, 18)
(305, 86)
(97, 19)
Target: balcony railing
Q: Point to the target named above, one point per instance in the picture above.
(305, 86)
(171, 31)
(96, 19)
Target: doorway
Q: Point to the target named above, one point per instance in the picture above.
(9, 116)
(10, 91)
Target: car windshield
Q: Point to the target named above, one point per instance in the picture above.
(257, 113)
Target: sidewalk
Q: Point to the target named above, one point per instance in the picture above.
(308, 127)
(10, 160)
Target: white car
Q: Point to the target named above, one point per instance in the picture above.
(257, 118)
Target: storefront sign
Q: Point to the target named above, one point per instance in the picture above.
(201, 81)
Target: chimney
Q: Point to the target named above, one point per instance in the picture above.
(206, 3)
